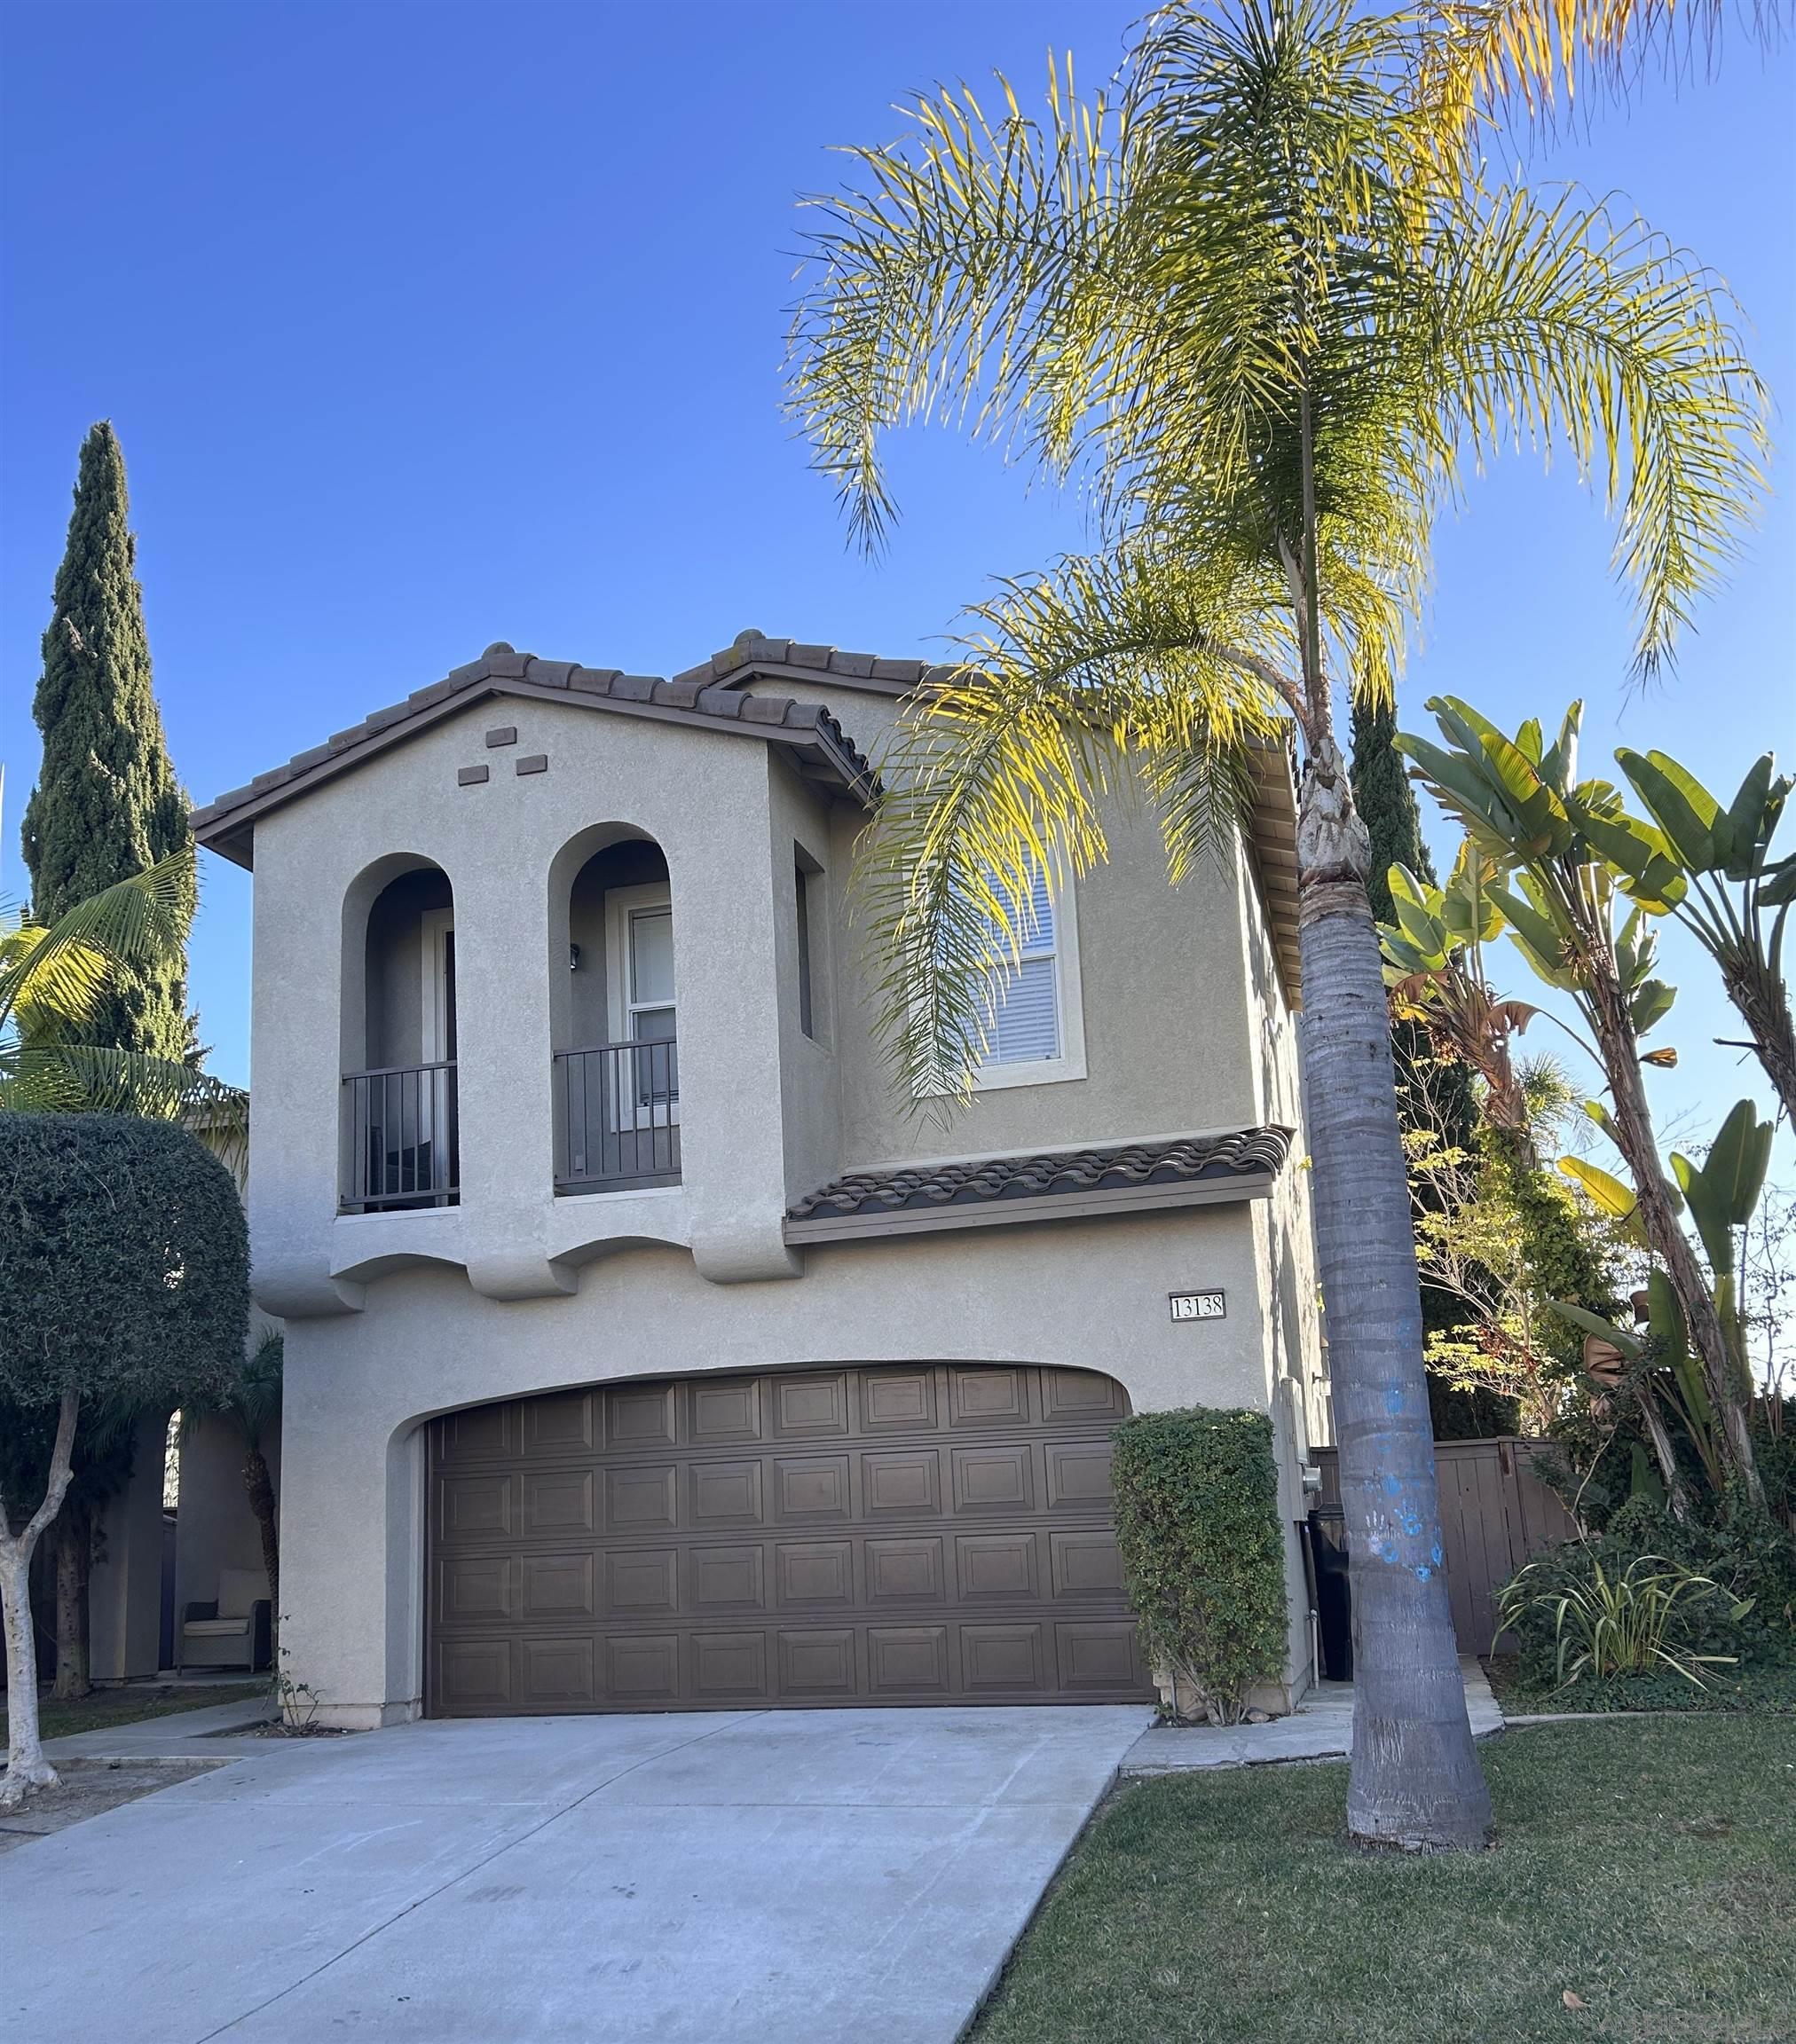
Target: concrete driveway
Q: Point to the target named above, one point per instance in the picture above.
(797, 1877)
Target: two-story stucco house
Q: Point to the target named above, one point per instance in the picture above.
(643, 1350)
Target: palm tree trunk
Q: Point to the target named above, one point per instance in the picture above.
(1415, 1779)
(26, 1767)
(74, 1558)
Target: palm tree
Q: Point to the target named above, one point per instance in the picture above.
(1242, 298)
(52, 978)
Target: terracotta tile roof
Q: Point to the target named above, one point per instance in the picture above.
(1175, 1171)
(808, 730)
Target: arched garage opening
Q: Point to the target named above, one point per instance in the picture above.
(901, 1533)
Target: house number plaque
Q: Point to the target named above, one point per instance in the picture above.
(1198, 1305)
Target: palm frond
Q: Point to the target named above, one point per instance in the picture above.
(1563, 326)
(1107, 667)
(1532, 58)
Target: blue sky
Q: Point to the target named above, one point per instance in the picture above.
(428, 326)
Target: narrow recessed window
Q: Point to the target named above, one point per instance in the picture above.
(801, 881)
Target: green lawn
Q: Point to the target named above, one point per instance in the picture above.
(109, 1707)
(1648, 1867)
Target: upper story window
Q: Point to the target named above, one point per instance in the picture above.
(1036, 1032)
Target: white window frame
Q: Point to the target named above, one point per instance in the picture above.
(620, 904)
(1069, 1016)
(1070, 1012)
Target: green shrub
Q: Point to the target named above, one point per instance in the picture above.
(1197, 1521)
(1607, 1624)
(1741, 1634)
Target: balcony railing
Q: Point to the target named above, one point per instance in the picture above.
(617, 1111)
(400, 1139)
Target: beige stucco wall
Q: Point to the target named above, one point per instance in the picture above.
(1084, 1294)
(394, 1317)
(215, 1528)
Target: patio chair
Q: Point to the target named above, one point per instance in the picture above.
(235, 1630)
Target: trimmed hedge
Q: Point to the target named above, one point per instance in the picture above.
(1197, 1521)
(124, 1270)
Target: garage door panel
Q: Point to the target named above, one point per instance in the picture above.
(483, 1430)
(905, 1571)
(641, 1669)
(1097, 1656)
(731, 1667)
(640, 1417)
(1081, 1397)
(902, 1482)
(558, 1674)
(559, 1501)
(725, 1494)
(988, 1398)
(560, 1425)
(1079, 1474)
(810, 1405)
(902, 1533)
(1011, 1660)
(997, 1566)
(558, 1587)
(814, 1572)
(477, 1506)
(639, 1580)
(818, 1665)
(639, 1499)
(997, 1478)
(476, 1589)
(898, 1400)
(1086, 1564)
(812, 1487)
(474, 1676)
(729, 1579)
(907, 1661)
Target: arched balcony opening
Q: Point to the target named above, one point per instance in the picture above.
(399, 1133)
(615, 1015)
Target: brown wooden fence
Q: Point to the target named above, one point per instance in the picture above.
(1495, 1513)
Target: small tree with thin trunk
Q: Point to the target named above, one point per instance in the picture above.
(124, 1275)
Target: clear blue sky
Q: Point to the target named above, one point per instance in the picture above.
(427, 326)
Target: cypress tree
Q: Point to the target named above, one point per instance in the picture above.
(106, 803)
(1387, 805)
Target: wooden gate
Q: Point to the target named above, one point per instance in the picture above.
(1495, 1513)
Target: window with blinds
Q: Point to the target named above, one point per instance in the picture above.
(1025, 998)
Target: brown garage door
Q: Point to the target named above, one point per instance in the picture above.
(910, 1534)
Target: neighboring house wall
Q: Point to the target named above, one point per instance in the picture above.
(216, 1529)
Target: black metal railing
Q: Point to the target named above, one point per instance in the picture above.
(617, 1111)
(400, 1139)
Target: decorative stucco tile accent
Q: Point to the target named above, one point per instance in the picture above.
(469, 776)
(502, 735)
(534, 763)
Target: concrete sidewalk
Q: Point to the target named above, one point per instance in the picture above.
(782, 1877)
(1320, 1728)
